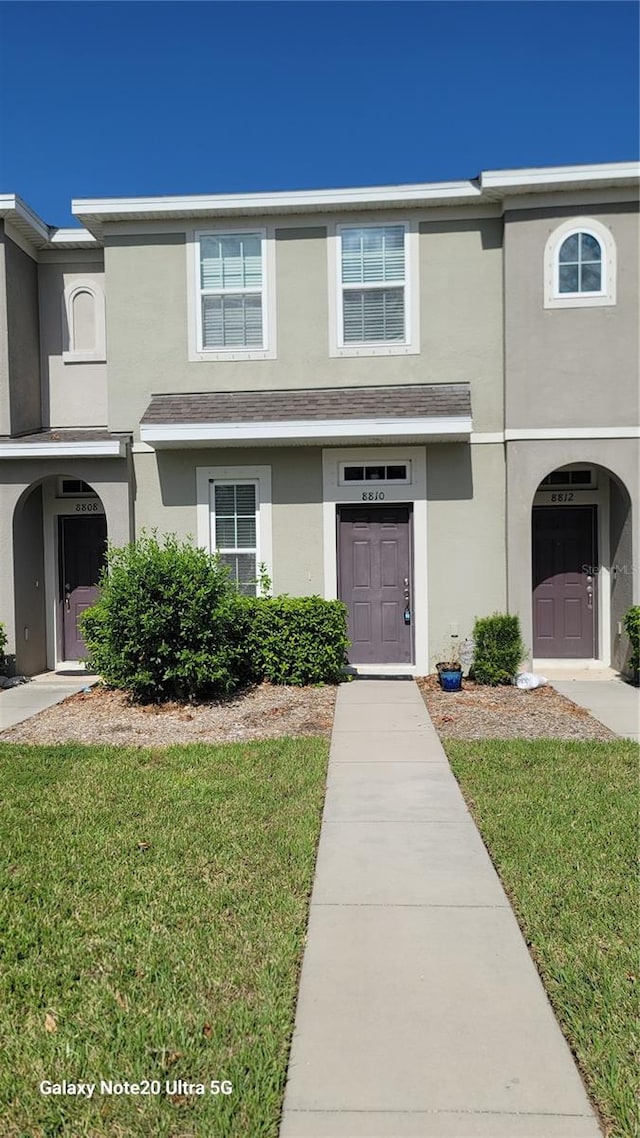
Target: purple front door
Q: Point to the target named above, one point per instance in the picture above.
(82, 544)
(374, 577)
(564, 582)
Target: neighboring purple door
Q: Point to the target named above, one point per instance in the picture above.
(564, 582)
(82, 549)
(374, 577)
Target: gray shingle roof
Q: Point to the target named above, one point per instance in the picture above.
(64, 435)
(415, 401)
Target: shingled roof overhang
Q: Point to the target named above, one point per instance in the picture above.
(415, 413)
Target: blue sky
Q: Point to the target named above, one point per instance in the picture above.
(142, 98)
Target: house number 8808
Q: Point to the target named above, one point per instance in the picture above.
(372, 495)
(86, 507)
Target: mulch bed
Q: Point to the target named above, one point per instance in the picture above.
(480, 712)
(103, 716)
(268, 711)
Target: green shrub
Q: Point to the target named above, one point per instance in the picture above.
(169, 623)
(498, 649)
(298, 640)
(3, 644)
(631, 622)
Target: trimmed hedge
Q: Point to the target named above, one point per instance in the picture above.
(298, 640)
(499, 649)
(631, 622)
(170, 624)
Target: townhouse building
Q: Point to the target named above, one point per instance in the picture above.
(423, 399)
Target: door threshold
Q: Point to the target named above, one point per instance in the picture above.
(382, 671)
(575, 664)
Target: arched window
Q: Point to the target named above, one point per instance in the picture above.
(580, 265)
(83, 322)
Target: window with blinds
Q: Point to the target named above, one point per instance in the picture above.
(231, 287)
(235, 531)
(372, 262)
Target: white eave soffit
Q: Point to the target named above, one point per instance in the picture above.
(453, 428)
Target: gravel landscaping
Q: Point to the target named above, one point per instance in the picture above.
(480, 712)
(101, 716)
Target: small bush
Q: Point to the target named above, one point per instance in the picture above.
(631, 622)
(298, 640)
(169, 623)
(3, 644)
(498, 649)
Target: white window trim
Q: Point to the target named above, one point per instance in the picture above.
(553, 298)
(411, 343)
(97, 354)
(196, 351)
(261, 476)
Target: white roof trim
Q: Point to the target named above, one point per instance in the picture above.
(357, 195)
(172, 434)
(37, 232)
(89, 449)
(560, 177)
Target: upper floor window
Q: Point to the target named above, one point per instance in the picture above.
(374, 310)
(579, 265)
(373, 285)
(235, 298)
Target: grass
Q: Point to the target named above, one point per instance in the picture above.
(559, 819)
(152, 918)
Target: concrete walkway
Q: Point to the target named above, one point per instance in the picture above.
(43, 691)
(420, 1012)
(612, 701)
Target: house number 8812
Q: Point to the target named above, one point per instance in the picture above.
(372, 495)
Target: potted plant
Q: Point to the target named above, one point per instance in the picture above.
(450, 669)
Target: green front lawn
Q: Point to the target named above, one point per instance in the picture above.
(560, 821)
(153, 912)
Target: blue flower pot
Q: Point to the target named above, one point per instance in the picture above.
(450, 680)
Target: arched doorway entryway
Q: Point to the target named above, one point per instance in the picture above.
(59, 545)
(581, 553)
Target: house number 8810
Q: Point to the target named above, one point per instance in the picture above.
(372, 495)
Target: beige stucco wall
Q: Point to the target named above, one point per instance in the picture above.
(166, 500)
(460, 306)
(465, 521)
(622, 572)
(22, 330)
(29, 584)
(4, 343)
(74, 394)
(570, 366)
(527, 464)
(465, 539)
